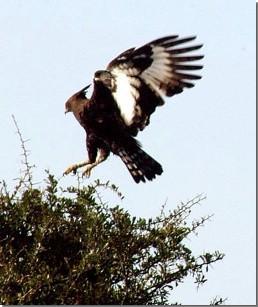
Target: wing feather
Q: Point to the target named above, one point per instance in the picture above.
(159, 68)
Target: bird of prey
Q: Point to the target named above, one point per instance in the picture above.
(125, 95)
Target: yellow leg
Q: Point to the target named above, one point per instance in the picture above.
(101, 156)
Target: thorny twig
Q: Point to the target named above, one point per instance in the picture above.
(27, 174)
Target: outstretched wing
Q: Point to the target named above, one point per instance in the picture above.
(144, 75)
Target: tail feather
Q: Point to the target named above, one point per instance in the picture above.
(140, 165)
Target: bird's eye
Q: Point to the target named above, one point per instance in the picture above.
(97, 74)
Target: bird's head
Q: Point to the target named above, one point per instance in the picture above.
(76, 100)
(68, 106)
(105, 77)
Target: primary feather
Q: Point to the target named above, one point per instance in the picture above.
(146, 74)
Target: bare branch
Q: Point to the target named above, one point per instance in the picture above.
(26, 178)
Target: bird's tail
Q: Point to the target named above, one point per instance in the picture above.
(140, 165)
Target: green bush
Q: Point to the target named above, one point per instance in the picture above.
(67, 247)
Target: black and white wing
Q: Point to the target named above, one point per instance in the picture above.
(144, 75)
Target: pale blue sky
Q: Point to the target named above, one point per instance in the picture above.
(204, 137)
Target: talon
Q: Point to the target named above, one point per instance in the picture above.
(86, 174)
(72, 168)
(87, 171)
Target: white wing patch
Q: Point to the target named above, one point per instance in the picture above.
(126, 93)
(159, 72)
(145, 75)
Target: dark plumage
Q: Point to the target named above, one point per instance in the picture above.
(125, 95)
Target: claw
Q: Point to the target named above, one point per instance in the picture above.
(73, 168)
(87, 171)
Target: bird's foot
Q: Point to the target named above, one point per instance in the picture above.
(72, 168)
(87, 171)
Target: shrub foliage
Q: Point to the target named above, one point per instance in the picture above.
(68, 247)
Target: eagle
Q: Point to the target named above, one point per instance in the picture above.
(125, 95)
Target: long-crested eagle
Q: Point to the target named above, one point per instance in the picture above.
(124, 97)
